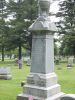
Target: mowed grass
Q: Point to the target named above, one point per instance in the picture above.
(66, 78)
(9, 89)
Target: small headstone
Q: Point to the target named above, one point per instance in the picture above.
(5, 73)
(70, 62)
(20, 63)
(29, 62)
(57, 61)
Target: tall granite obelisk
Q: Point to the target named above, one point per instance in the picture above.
(42, 81)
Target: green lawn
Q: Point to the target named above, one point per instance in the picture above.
(66, 78)
(10, 88)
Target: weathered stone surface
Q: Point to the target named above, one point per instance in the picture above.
(43, 23)
(42, 80)
(42, 54)
(43, 92)
(25, 97)
(68, 97)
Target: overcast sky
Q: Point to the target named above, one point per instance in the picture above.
(54, 8)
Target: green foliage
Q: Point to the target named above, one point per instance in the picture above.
(14, 33)
(67, 16)
(56, 50)
(67, 26)
(3, 26)
(23, 12)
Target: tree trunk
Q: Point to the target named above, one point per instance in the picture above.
(2, 53)
(20, 56)
(10, 55)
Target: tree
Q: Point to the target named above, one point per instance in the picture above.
(66, 24)
(23, 12)
(3, 15)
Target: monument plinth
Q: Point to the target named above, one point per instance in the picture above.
(42, 81)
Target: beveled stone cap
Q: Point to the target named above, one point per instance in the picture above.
(43, 24)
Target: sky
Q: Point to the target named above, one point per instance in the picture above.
(54, 9)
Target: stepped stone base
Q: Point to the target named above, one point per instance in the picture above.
(25, 97)
(41, 87)
(6, 77)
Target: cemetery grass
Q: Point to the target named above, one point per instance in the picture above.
(66, 77)
(9, 89)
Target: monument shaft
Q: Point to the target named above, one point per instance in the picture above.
(42, 54)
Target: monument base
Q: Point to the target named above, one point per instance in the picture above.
(26, 97)
(41, 87)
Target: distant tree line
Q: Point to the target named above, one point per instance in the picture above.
(15, 18)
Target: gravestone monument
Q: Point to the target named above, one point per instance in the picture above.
(70, 62)
(42, 81)
(29, 62)
(5, 73)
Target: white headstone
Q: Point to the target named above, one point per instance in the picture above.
(70, 62)
(5, 73)
(4, 70)
(29, 62)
